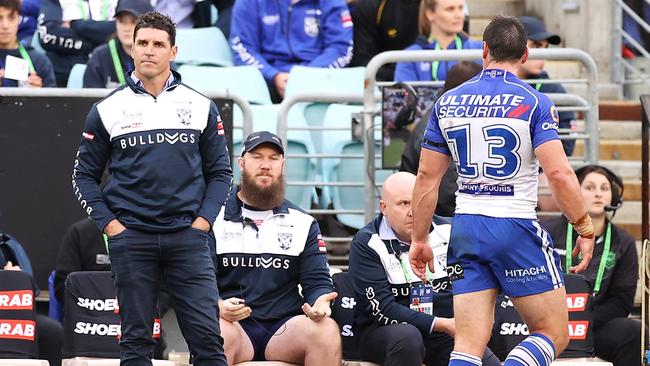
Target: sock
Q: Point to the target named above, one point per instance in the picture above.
(463, 359)
(536, 350)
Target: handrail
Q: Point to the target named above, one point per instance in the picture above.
(591, 148)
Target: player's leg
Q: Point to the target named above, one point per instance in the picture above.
(236, 344)
(474, 313)
(304, 341)
(547, 319)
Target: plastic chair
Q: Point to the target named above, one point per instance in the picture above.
(76, 77)
(203, 46)
(311, 79)
(36, 43)
(351, 170)
(55, 310)
(245, 81)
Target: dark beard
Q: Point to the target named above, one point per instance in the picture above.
(262, 198)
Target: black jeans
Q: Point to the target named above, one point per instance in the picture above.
(619, 341)
(183, 260)
(49, 333)
(404, 345)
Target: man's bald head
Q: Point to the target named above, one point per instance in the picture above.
(398, 183)
(395, 204)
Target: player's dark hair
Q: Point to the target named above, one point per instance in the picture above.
(506, 38)
(154, 19)
(13, 5)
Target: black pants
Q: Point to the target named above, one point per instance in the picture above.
(404, 345)
(49, 333)
(619, 341)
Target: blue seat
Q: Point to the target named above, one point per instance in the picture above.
(76, 77)
(203, 46)
(352, 170)
(245, 81)
(36, 43)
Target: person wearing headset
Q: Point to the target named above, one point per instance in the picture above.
(109, 63)
(40, 72)
(612, 273)
(440, 24)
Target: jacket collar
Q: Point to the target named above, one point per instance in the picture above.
(136, 85)
(234, 204)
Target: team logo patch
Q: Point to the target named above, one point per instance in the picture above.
(311, 26)
(346, 19)
(285, 240)
(554, 114)
(88, 136)
(185, 115)
(220, 130)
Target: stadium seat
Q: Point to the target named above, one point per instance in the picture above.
(36, 43)
(351, 170)
(76, 77)
(55, 310)
(86, 361)
(18, 340)
(203, 46)
(245, 81)
(323, 80)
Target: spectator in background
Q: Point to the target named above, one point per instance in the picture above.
(28, 18)
(40, 72)
(266, 247)
(71, 29)
(179, 10)
(276, 35)
(458, 74)
(224, 9)
(617, 338)
(83, 249)
(109, 63)
(392, 332)
(440, 24)
(383, 25)
(539, 37)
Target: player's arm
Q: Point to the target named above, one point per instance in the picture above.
(434, 160)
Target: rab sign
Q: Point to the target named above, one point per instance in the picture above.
(17, 329)
(17, 300)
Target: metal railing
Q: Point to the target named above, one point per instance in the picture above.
(619, 36)
(591, 116)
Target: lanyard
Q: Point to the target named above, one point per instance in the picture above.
(603, 257)
(407, 274)
(435, 65)
(112, 46)
(84, 13)
(105, 237)
(25, 56)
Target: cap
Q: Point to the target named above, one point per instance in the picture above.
(135, 7)
(256, 139)
(536, 31)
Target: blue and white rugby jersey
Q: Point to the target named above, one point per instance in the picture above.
(491, 125)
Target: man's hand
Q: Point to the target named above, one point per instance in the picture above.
(233, 309)
(321, 307)
(280, 82)
(34, 81)
(201, 224)
(421, 255)
(10, 267)
(586, 248)
(445, 325)
(114, 228)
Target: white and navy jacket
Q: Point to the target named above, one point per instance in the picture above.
(381, 285)
(265, 264)
(166, 155)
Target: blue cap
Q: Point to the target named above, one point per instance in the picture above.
(536, 31)
(256, 139)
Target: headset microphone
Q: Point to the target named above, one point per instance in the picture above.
(612, 208)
